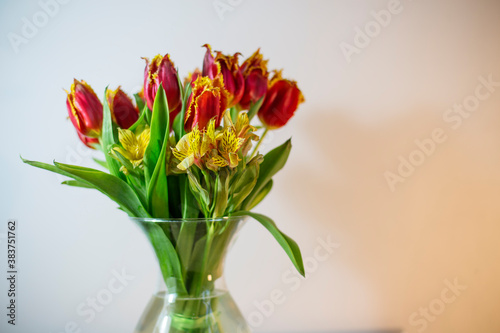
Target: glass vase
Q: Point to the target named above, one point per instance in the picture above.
(192, 296)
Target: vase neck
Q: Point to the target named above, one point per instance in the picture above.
(191, 254)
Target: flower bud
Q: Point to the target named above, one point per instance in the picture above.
(208, 100)
(280, 103)
(85, 109)
(255, 74)
(123, 111)
(162, 70)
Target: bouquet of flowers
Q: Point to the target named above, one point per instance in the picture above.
(187, 150)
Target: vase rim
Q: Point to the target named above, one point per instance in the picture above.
(190, 220)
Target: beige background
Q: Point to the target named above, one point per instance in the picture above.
(394, 250)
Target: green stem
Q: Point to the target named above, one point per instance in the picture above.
(260, 142)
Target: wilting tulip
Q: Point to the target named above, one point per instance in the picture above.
(123, 111)
(255, 74)
(280, 103)
(208, 100)
(230, 70)
(87, 141)
(162, 70)
(85, 109)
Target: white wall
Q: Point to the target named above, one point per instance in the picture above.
(396, 248)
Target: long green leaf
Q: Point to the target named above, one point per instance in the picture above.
(77, 183)
(289, 245)
(101, 163)
(188, 201)
(158, 188)
(221, 193)
(159, 133)
(167, 257)
(243, 185)
(273, 162)
(155, 157)
(139, 102)
(202, 196)
(179, 119)
(112, 186)
(115, 188)
(261, 195)
(142, 119)
(109, 137)
(254, 108)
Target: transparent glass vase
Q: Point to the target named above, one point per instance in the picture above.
(192, 296)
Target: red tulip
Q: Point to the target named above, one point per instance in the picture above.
(85, 109)
(192, 76)
(280, 103)
(209, 65)
(123, 111)
(162, 70)
(233, 77)
(255, 74)
(230, 70)
(208, 100)
(87, 141)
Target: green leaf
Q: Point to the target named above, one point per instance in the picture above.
(167, 257)
(289, 245)
(112, 186)
(109, 137)
(159, 133)
(254, 108)
(189, 208)
(261, 195)
(139, 102)
(202, 196)
(101, 163)
(77, 183)
(221, 194)
(273, 162)
(142, 119)
(234, 114)
(158, 188)
(243, 185)
(155, 157)
(179, 119)
(185, 244)
(115, 188)
(179, 82)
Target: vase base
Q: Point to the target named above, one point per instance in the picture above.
(217, 313)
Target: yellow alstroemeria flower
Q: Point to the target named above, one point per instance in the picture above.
(229, 145)
(193, 146)
(133, 145)
(242, 129)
